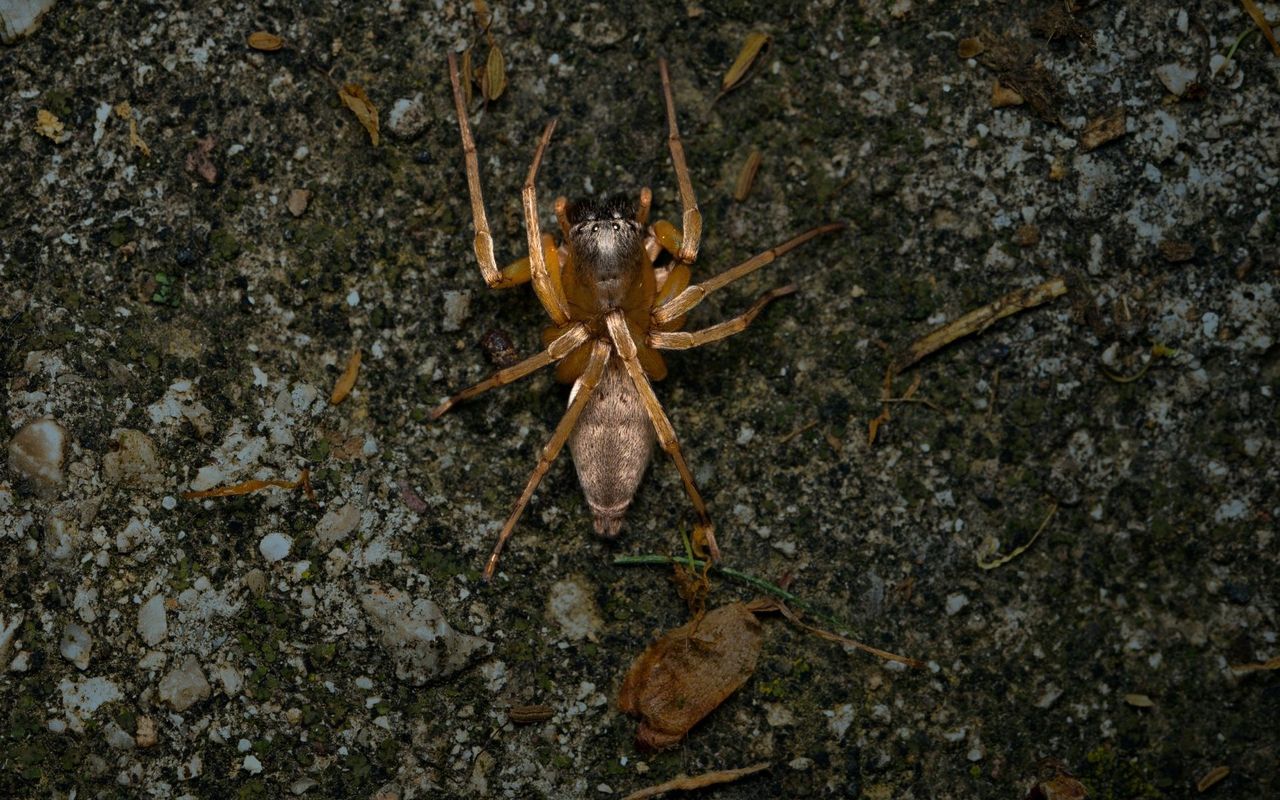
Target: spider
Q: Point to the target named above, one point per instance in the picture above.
(611, 312)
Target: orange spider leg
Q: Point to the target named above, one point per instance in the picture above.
(642, 211)
(586, 385)
(626, 349)
(563, 345)
(684, 340)
(521, 270)
(691, 220)
(548, 292)
(513, 274)
(690, 297)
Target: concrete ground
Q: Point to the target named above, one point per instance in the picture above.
(183, 327)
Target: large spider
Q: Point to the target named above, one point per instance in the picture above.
(611, 312)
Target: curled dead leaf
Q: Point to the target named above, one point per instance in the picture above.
(752, 47)
(265, 41)
(689, 672)
(354, 98)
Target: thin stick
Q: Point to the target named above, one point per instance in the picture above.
(776, 591)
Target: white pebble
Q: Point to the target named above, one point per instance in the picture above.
(275, 546)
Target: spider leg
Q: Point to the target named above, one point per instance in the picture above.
(562, 216)
(563, 345)
(550, 295)
(519, 271)
(626, 349)
(685, 340)
(691, 221)
(586, 384)
(642, 210)
(690, 297)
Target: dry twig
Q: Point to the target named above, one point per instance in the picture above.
(686, 783)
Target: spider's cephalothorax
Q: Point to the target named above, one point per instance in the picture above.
(611, 312)
(606, 248)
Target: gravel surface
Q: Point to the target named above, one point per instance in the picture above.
(195, 237)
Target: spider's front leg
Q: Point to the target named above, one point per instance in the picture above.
(682, 244)
(542, 251)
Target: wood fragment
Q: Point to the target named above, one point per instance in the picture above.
(747, 176)
(1211, 778)
(973, 322)
(354, 98)
(265, 41)
(303, 482)
(688, 783)
(347, 381)
(1103, 129)
(752, 47)
(1260, 20)
(805, 427)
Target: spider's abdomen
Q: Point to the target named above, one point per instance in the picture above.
(611, 446)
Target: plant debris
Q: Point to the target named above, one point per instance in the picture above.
(975, 321)
(528, 715)
(1058, 23)
(493, 80)
(125, 111)
(298, 201)
(688, 672)
(1211, 778)
(686, 783)
(752, 47)
(1102, 129)
(303, 482)
(1260, 20)
(1004, 97)
(200, 160)
(354, 98)
(1269, 664)
(347, 381)
(1177, 252)
(50, 127)
(1139, 701)
(747, 176)
(988, 559)
(1018, 69)
(265, 41)
(970, 47)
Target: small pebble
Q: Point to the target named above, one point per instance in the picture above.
(36, 453)
(76, 645)
(275, 546)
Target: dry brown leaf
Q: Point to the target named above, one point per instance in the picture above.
(689, 672)
(1103, 129)
(348, 380)
(1260, 20)
(303, 482)
(265, 41)
(1060, 787)
(968, 48)
(493, 81)
(747, 176)
(484, 17)
(1004, 97)
(354, 98)
(686, 783)
(49, 126)
(752, 47)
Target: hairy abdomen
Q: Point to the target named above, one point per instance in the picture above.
(611, 446)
